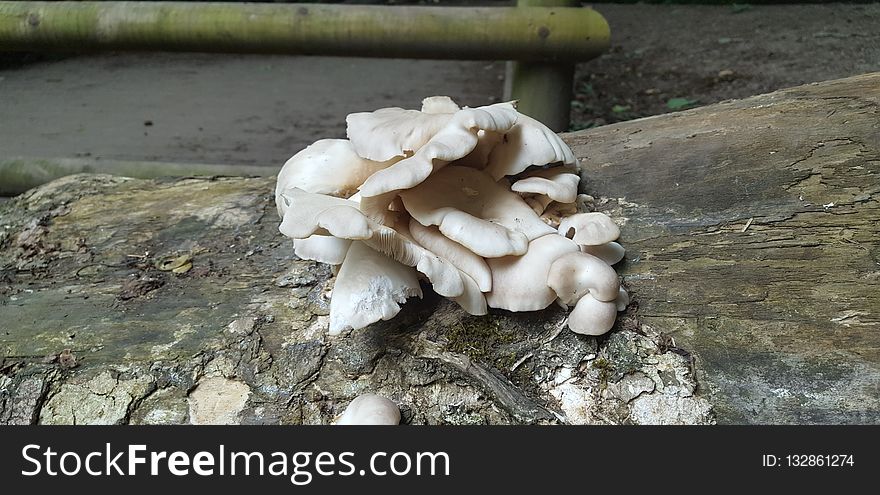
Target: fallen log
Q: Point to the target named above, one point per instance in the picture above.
(18, 174)
(752, 259)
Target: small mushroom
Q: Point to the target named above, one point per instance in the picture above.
(372, 410)
(557, 184)
(369, 287)
(519, 283)
(574, 274)
(589, 229)
(592, 317)
(610, 253)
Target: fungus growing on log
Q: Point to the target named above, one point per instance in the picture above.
(482, 203)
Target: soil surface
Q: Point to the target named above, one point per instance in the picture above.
(210, 108)
(669, 57)
(260, 110)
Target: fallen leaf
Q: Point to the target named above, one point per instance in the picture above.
(680, 103)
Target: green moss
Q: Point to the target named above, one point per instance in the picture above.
(605, 368)
(480, 338)
(464, 418)
(505, 361)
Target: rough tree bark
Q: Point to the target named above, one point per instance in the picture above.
(751, 230)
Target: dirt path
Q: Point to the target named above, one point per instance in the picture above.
(261, 109)
(205, 108)
(700, 54)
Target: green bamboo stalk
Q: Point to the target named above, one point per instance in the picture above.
(19, 174)
(544, 89)
(476, 33)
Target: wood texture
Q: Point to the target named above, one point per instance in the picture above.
(751, 230)
(18, 174)
(753, 241)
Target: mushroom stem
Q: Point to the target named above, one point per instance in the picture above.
(592, 317)
(370, 287)
(574, 274)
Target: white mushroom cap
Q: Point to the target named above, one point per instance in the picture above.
(392, 132)
(592, 317)
(610, 253)
(519, 283)
(589, 229)
(472, 299)
(463, 258)
(369, 287)
(574, 274)
(322, 248)
(557, 183)
(528, 143)
(306, 214)
(475, 211)
(479, 157)
(456, 140)
(370, 409)
(328, 166)
(439, 104)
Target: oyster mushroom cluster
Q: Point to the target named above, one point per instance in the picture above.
(482, 203)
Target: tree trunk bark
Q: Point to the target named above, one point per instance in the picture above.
(752, 259)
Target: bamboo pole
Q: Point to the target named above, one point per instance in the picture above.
(544, 89)
(17, 175)
(475, 33)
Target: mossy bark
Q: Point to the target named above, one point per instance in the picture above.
(17, 175)
(752, 240)
(752, 261)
